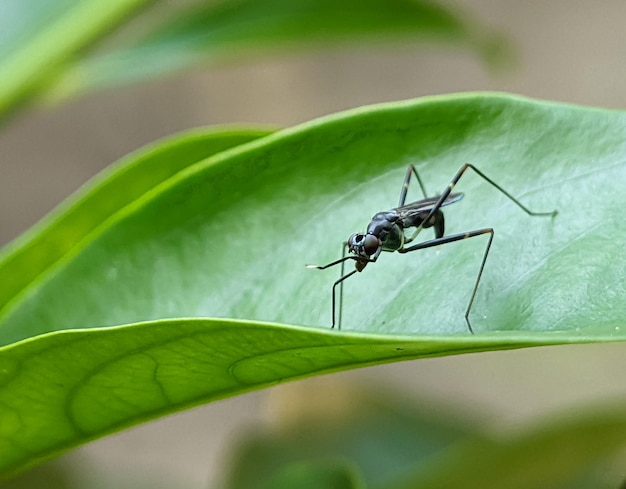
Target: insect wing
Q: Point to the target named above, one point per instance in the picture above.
(426, 205)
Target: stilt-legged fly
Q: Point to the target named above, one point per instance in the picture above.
(386, 232)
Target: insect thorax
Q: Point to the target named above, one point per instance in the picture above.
(385, 227)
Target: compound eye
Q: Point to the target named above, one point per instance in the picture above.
(356, 240)
(370, 244)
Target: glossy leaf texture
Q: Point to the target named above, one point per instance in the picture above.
(210, 32)
(228, 237)
(66, 388)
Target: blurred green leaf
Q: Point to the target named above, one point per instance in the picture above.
(43, 44)
(210, 32)
(229, 237)
(39, 37)
(383, 435)
(317, 475)
(545, 457)
(395, 444)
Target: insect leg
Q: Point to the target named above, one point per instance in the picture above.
(405, 186)
(444, 195)
(451, 239)
(460, 173)
(343, 263)
(332, 263)
(340, 283)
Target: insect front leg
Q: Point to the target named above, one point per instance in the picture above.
(333, 307)
(339, 282)
(341, 279)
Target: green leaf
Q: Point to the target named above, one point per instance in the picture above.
(109, 193)
(546, 456)
(396, 444)
(66, 388)
(214, 32)
(38, 38)
(229, 237)
(319, 474)
(44, 44)
(383, 436)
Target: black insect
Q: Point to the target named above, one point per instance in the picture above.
(386, 232)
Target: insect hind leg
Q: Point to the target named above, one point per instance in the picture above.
(468, 166)
(451, 239)
(411, 170)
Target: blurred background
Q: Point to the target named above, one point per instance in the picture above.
(564, 50)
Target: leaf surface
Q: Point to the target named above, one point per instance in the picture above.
(228, 237)
(109, 193)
